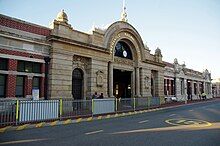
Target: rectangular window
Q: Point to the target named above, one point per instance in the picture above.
(21, 66)
(2, 85)
(20, 86)
(30, 67)
(165, 87)
(182, 86)
(3, 64)
(36, 67)
(195, 88)
(36, 83)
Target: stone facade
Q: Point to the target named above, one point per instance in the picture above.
(188, 84)
(75, 64)
(216, 87)
(94, 55)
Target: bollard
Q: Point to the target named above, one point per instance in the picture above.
(134, 104)
(116, 105)
(61, 108)
(17, 112)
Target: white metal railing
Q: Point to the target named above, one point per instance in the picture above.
(21, 111)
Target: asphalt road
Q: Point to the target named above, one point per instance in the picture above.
(191, 125)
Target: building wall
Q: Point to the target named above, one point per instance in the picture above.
(22, 41)
(92, 53)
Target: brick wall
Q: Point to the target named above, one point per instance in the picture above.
(24, 26)
(19, 53)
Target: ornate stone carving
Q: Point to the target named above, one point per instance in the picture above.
(99, 78)
(123, 61)
(147, 82)
(80, 62)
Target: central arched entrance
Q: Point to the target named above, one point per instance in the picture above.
(122, 83)
(77, 84)
(122, 77)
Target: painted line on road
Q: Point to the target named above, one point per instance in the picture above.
(191, 110)
(143, 121)
(4, 129)
(99, 117)
(68, 121)
(89, 119)
(40, 125)
(22, 127)
(172, 115)
(93, 132)
(78, 120)
(21, 141)
(108, 116)
(53, 123)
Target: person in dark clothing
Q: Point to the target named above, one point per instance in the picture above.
(101, 96)
(95, 96)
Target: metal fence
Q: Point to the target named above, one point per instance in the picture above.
(38, 110)
(70, 108)
(7, 112)
(21, 111)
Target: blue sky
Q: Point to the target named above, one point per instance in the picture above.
(185, 29)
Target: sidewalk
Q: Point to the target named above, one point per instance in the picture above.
(100, 117)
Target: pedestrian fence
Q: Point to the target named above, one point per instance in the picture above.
(14, 112)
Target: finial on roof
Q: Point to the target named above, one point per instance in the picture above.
(62, 16)
(123, 13)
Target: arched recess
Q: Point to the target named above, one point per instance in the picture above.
(122, 30)
(77, 83)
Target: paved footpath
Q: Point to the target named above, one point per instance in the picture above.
(195, 124)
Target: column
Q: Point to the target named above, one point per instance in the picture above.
(28, 86)
(133, 83)
(42, 79)
(110, 79)
(185, 89)
(137, 82)
(11, 78)
(192, 86)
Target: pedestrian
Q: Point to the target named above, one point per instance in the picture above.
(95, 95)
(101, 96)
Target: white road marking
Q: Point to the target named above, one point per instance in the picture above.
(22, 141)
(190, 110)
(94, 132)
(143, 121)
(172, 115)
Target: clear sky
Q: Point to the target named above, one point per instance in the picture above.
(185, 29)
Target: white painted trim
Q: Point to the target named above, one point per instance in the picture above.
(21, 58)
(22, 73)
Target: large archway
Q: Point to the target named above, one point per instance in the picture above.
(77, 84)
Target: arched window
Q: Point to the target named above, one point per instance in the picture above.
(123, 50)
(77, 83)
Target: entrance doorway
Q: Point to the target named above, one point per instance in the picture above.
(77, 84)
(121, 83)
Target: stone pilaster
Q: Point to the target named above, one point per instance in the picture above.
(110, 65)
(137, 81)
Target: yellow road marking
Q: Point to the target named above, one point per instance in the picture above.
(40, 124)
(68, 121)
(4, 129)
(22, 127)
(78, 120)
(53, 123)
(89, 119)
(108, 116)
(185, 121)
(99, 117)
